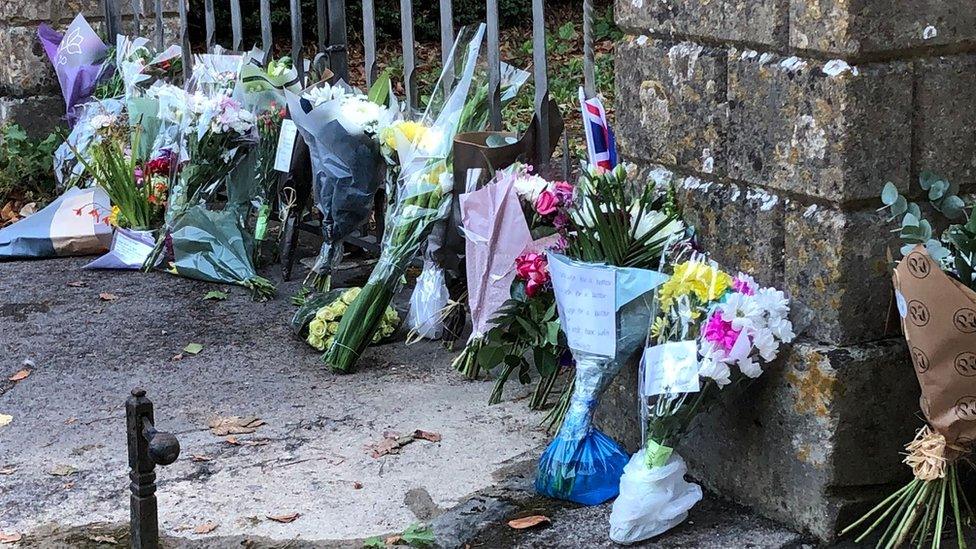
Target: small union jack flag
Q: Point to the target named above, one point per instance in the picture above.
(600, 143)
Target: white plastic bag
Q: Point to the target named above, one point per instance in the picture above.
(652, 500)
(427, 303)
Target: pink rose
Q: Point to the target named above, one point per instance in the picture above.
(547, 203)
(564, 192)
(533, 268)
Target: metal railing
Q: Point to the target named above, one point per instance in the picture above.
(331, 43)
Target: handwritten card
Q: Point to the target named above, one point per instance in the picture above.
(586, 299)
(129, 249)
(286, 144)
(671, 368)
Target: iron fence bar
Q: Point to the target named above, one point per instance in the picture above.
(235, 24)
(296, 38)
(136, 12)
(266, 28)
(321, 24)
(160, 41)
(208, 7)
(447, 39)
(494, 66)
(409, 53)
(338, 55)
(113, 20)
(541, 75)
(369, 42)
(589, 69)
(185, 42)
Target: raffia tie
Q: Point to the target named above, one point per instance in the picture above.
(929, 454)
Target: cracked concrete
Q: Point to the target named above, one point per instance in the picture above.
(310, 458)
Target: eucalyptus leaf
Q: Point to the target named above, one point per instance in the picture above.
(953, 206)
(938, 190)
(889, 194)
(909, 221)
(899, 207)
(907, 249)
(925, 180)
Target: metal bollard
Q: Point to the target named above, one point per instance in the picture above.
(147, 448)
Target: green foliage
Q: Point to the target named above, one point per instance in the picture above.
(416, 535)
(26, 165)
(957, 245)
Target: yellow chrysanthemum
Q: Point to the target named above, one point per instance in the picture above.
(694, 278)
(113, 218)
(412, 131)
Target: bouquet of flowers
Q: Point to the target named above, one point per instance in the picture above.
(443, 271)
(318, 316)
(422, 198)
(341, 128)
(935, 290)
(139, 66)
(710, 330)
(603, 282)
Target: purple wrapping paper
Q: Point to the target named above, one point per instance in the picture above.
(77, 57)
(495, 234)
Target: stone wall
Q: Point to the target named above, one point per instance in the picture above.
(29, 90)
(779, 121)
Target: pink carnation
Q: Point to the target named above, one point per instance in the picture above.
(720, 332)
(744, 284)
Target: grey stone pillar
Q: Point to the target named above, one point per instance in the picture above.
(779, 121)
(29, 90)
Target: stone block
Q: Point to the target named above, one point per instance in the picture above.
(60, 12)
(858, 28)
(837, 272)
(26, 70)
(753, 21)
(828, 130)
(39, 115)
(740, 227)
(677, 110)
(814, 437)
(945, 123)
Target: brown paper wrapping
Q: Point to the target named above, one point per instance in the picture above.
(939, 320)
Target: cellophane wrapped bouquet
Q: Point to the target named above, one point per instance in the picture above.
(603, 283)
(935, 292)
(341, 127)
(422, 197)
(710, 330)
(509, 225)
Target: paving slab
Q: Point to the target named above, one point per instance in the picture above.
(63, 455)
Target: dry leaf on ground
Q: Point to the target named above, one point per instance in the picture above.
(427, 435)
(104, 539)
(105, 296)
(529, 522)
(392, 442)
(285, 519)
(12, 537)
(5, 419)
(232, 441)
(78, 284)
(199, 458)
(234, 425)
(8, 470)
(21, 375)
(205, 528)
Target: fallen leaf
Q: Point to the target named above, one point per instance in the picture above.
(355, 485)
(193, 348)
(529, 522)
(78, 284)
(234, 425)
(104, 539)
(68, 485)
(21, 375)
(258, 442)
(232, 441)
(177, 358)
(215, 295)
(62, 470)
(393, 540)
(199, 458)
(427, 435)
(105, 296)
(10, 538)
(5, 419)
(70, 420)
(8, 470)
(205, 528)
(285, 519)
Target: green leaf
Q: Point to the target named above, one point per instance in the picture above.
(909, 221)
(914, 209)
(938, 189)
(379, 93)
(567, 31)
(926, 179)
(953, 206)
(193, 348)
(418, 535)
(889, 194)
(490, 356)
(374, 542)
(899, 207)
(215, 295)
(552, 332)
(545, 362)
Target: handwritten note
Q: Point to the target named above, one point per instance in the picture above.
(286, 143)
(671, 368)
(129, 249)
(586, 299)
